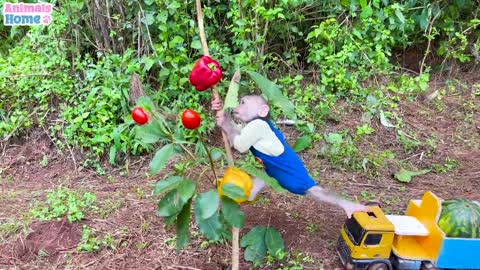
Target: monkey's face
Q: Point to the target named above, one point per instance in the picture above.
(248, 108)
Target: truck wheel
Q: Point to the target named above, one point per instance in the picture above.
(378, 266)
(428, 266)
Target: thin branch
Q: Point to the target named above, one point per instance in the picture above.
(235, 231)
(148, 34)
(427, 51)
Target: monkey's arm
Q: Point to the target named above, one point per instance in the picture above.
(225, 123)
(323, 195)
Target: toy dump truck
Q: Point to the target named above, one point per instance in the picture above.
(375, 241)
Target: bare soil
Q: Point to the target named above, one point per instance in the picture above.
(141, 241)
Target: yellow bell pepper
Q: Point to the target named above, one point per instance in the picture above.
(238, 178)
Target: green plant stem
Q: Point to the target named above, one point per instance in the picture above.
(185, 149)
(210, 160)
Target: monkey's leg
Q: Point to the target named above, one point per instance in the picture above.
(258, 185)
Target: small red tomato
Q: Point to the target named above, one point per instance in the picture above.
(139, 116)
(191, 119)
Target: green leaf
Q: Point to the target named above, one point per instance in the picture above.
(196, 44)
(186, 189)
(254, 242)
(183, 226)
(366, 12)
(148, 62)
(302, 143)
(372, 102)
(363, 3)
(233, 192)
(116, 138)
(334, 138)
(256, 234)
(149, 133)
(167, 184)
(405, 176)
(210, 227)
(146, 103)
(231, 99)
(256, 253)
(170, 220)
(170, 204)
(206, 204)
(274, 241)
(384, 120)
(161, 157)
(273, 94)
(232, 213)
(264, 176)
(148, 19)
(112, 154)
(400, 16)
(423, 18)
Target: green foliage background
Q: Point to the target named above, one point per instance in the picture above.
(71, 78)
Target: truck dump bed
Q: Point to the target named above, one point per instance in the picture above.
(419, 245)
(458, 253)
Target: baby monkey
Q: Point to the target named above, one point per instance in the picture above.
(268, 145)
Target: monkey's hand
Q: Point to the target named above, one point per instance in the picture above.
(221, 119)
(351, 207)
(217, 104)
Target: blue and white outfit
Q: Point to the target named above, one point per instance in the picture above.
(280, 161)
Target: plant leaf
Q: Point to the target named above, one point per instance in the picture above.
(264, 176)
(363, 3)
(161, 157)
(112, 154)
(405, 176)
(273, 94)
(400, 16)
(256, 253)
(183, 226)
(231, 99)
(170, 204)
(232, 213)
(233, 192)
(274, 241)
(334, 138)
(302, 143)
(253, 236)
(167, 184)
(210, 227)
(366, 12)
(170, 220)
(186, 189)
(254, 242)
(146, 103)
(206, 204)
(384, 120)
(147, 133)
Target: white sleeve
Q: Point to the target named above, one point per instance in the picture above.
(250, 134)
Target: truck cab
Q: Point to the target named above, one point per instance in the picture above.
(366, 240)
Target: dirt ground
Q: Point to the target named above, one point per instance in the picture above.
(141, 241)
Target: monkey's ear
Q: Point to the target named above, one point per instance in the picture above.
(263, 110)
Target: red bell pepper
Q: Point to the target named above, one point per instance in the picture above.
(205, 73)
